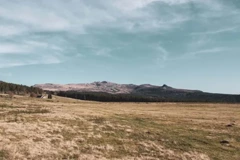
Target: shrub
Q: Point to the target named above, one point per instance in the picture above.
(33, 95)
(49, 96)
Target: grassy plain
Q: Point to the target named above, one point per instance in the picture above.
(65, 128)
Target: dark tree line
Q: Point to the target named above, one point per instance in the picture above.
(105, 97)
(18, 89)
(184, 97)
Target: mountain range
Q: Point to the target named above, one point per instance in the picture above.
(113, 92)
(112, 88)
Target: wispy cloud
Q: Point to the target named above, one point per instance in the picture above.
(206, 51)
(218, 31)
(161, 56)
(29, 53)
(52, 31)
(11, 30)
(57, 16)
(6, 63)
(10, 48)
(33, 16)
(163, 53)
(43, 45)
(105, 52)
(27, 47)
(126, 5)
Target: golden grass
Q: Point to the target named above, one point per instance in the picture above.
(64, 128)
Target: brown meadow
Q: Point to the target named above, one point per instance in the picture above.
(64, 128)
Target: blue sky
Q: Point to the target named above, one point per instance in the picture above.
(192, 44)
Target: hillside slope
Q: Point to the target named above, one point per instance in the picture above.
(17, 89)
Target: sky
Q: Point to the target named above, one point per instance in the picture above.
(192, 44)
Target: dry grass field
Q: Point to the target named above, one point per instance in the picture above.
(70, 129)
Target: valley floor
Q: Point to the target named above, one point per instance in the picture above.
(70, 129)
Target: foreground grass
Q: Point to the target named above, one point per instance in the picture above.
(69, 129)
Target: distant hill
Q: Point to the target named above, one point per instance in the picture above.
(18, 89)
(107, 87)
(113, 92)
(112, 88)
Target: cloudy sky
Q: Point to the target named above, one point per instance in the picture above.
(191, 44)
